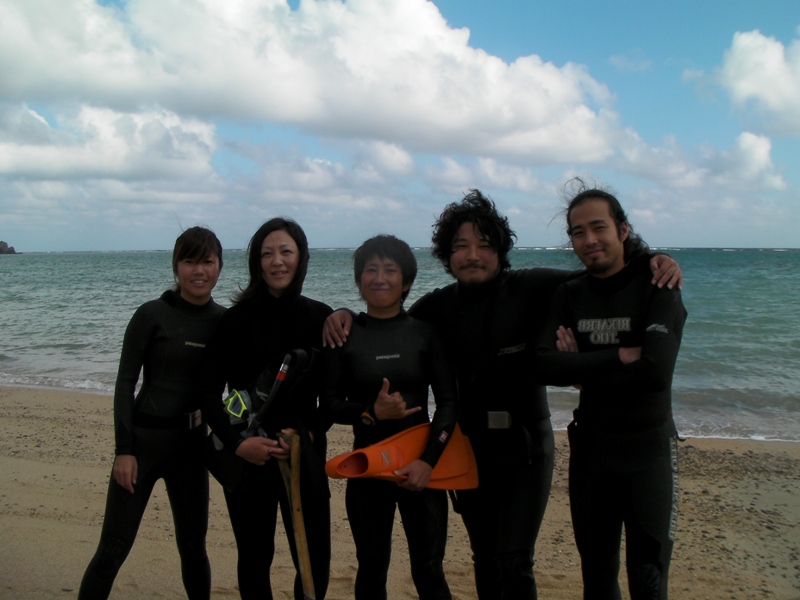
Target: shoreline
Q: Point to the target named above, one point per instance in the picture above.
(738, 535)
(109, 392)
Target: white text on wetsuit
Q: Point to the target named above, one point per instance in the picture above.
(604, 331)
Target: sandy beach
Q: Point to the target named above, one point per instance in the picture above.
(738, 537)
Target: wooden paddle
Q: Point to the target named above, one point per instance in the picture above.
(291, 479)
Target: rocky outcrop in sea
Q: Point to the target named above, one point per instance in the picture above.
(6, 249)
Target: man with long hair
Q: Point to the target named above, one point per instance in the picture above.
(616, 337)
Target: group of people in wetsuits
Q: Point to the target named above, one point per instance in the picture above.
(486, 345)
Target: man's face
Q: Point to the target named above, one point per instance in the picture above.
(595, 238)
(473, 261)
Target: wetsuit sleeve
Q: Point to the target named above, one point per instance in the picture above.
(311, 415)
(334, 405)
(662, 339)
(424, 309)
(554, 367)
(216, 366)
(134, 352)
(445, 395)
(603, 369)
(542, 281)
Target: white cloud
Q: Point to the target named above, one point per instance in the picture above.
(712, 216)
(748, 164)
(369, 69)
(74, 49)
(484, 173)
(390, 158)
(762, 74)
(451, 175)
(107, 122)
(633, 63)
(100, 143)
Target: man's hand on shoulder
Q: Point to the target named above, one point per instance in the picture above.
(336, 328)
(666, 271)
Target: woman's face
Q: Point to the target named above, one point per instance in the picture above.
(279, 259)
(382, 287)
(197, 278)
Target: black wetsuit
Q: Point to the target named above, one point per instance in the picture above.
(253, 335)
(623, 460)
(409, 354)
(166, 338)
(489, 332)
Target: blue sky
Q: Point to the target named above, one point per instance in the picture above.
(123, 122)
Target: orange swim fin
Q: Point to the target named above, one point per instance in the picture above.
(455, 470)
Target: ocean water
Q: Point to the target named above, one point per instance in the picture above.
(63, 315)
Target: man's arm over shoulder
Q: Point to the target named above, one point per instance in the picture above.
(430, 307)
(541, 282)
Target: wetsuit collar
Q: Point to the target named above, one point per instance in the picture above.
(475, 292)
(173, 298)
(606, 286)
(263, 295)
(384, 324)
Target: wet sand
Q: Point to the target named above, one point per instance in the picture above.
(738, 536)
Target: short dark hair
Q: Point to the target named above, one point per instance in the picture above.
(296, 232)
(386, 246)
(634, 246)
(481, 211)
(195, 244)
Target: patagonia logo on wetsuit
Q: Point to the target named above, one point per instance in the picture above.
(604, 331)
(512, 349)
(387, 356)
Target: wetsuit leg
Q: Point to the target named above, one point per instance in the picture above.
(480, 519)
(120, 525)
(504, 515)
(650, 526)
(596, 504)
(253, 511)
(187, 486)
(424, 516)
(371, 505)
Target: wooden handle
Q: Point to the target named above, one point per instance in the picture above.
(291, 479)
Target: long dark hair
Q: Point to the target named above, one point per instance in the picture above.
(634, 246)
(296, 232)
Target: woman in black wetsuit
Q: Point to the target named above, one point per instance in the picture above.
(378, 383)
(270, 318)
(159, 433)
